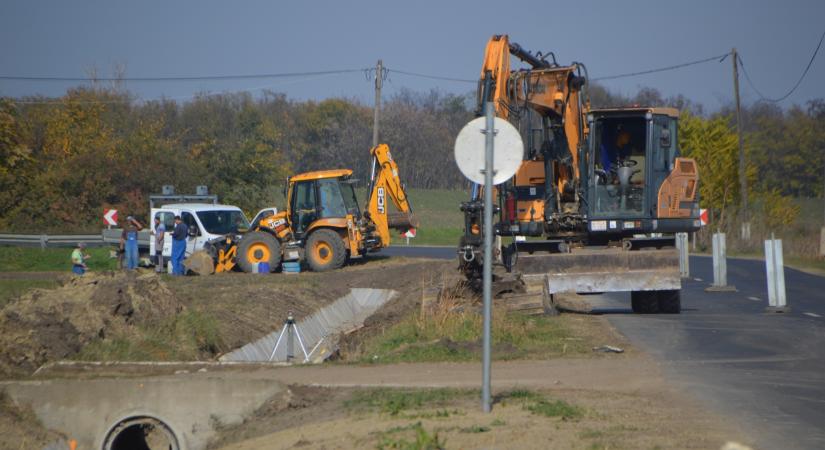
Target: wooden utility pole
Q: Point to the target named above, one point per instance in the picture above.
(379, 78)
(822, 230)
(743, 179)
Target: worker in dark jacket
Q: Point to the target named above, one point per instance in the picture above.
(179, 234)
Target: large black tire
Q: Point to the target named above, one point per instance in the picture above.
(325, 250)
(670, 302)
(644, 302)
(257, 247)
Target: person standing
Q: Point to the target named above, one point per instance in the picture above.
(179, 234)
(129, 242)
(79, 259)
(160, 236)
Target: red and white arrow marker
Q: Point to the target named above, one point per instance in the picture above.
(110, 217)
(703, 217)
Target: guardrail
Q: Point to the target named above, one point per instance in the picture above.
(51, 240)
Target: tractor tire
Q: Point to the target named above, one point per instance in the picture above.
(325, 251)
(644, 302)
(257, 247)
(669, 302)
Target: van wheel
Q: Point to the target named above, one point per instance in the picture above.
(257, 247)
(325, 250)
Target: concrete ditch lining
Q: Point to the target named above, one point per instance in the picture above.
(345, 314)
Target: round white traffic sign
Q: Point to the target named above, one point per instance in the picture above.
(470, 147)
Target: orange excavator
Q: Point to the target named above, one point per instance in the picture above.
(322, 224)
(598, 196)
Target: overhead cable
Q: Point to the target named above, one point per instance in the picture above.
(718, 58)
(798, 82)
(185, 78)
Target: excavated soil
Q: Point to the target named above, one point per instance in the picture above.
(47, 325)
(50, 324)
(250, 306)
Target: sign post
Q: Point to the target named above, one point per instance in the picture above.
(499, 164)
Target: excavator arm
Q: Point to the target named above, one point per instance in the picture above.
(386, 183)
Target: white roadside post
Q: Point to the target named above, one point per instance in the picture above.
(684, 256)
(498, 165)
(720, 266)
(775, 269)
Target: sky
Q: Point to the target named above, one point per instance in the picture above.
(446, 38)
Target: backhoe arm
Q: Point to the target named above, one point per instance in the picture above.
(388, 184)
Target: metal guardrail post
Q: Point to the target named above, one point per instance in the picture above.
(720, 265)
(43, 241)
(682, 244)
(775, 269)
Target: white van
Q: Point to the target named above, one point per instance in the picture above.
(205, 221)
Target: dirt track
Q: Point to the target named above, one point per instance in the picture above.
(627, 402)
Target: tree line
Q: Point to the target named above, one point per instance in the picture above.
(62, 160)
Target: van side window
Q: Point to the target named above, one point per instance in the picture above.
(189, 220)
(167, 219)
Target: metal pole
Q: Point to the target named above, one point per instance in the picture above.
(743, 179)
(488, 254)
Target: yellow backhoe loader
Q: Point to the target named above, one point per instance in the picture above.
(322, 224)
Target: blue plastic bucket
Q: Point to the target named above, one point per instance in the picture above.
(263, 267)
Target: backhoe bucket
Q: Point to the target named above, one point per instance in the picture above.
(402, 221)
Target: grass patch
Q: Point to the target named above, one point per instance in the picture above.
(191, 335)
(555, 408)
(11, 289)
(456, 336)
(540, 405)
(421, 440)
(475, 429)
(396, 401)
(31, 259)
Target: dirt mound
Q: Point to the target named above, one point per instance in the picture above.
(46, 325)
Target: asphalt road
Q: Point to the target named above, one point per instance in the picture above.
(764, 370)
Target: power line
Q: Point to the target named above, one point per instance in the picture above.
(718, 58)
(798, 82)
(187, 78)
(60, 101)
(432, 77)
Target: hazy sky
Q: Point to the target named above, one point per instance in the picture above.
(447, 38)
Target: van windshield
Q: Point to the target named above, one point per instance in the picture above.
(223, 222)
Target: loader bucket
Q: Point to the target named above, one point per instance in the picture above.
(200, 262)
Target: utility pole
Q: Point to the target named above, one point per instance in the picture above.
(743, 179)
(822, 230)
(379, 80)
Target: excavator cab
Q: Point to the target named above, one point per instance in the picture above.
(633, 167)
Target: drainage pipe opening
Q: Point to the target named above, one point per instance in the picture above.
(141, 433)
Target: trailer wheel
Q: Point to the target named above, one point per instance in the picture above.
(325, 250)
(257, 247)
(669, 302)
(644, 302)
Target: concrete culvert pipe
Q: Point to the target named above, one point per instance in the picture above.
(141, 433)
